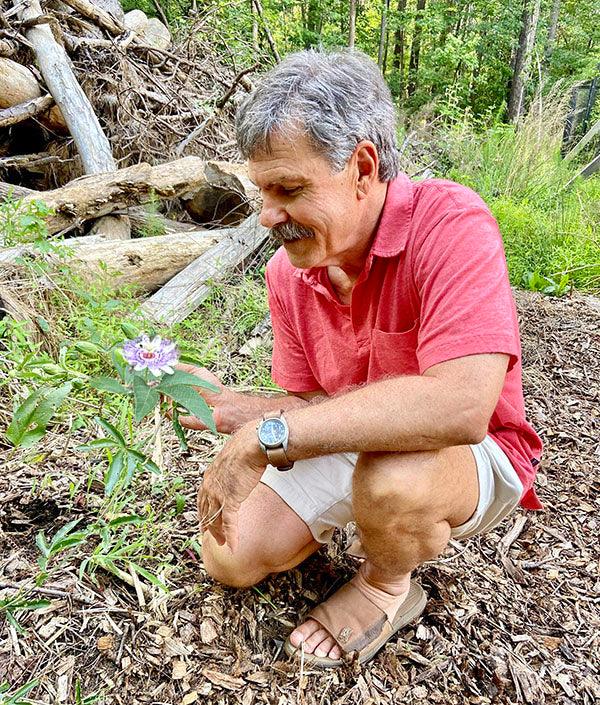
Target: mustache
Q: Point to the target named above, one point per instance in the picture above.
(291, 231)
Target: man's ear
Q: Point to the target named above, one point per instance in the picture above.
(367, 165)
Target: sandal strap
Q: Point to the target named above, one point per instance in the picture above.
(351, 618)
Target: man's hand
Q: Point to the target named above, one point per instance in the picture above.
(224, 404)
(234, 473)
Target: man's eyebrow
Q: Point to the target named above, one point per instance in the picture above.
(298, 180)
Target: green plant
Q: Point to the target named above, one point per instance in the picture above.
(534, 281)
(64, 539)
(19, 603)
(123, 458)
(17, 697)
(32, 416)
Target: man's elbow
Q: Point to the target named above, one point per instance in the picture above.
(470, 426)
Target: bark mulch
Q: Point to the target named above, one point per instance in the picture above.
(513, 616)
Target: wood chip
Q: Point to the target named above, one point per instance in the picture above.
(179, 670)
(223, 680)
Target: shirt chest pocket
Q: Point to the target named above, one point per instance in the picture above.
(393, 354)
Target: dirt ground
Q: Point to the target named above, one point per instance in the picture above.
(512, 617)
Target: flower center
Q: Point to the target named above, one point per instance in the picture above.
(148, 355)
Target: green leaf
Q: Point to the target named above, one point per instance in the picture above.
(146, 574)
(42, 544)
(36, 411)
(62, 532)
(108, 384)
(178, 428)
(129, 519)
(33, 605)
(146, 398)
(113, 473)
(108, 428)
(185, 378)
(118, 363)
(193, 402)
(130, 330)
(145, 461)
(98, 443)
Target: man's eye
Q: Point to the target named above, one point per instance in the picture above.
(292, 191)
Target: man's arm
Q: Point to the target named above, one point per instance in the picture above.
(450, 404)
(233, 409)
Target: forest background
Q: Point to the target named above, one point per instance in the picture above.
(484, 86)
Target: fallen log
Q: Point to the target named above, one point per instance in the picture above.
(24, 111)
(227, 197)
(186, 291)
(96, 195)
(145, 262)
(17, 84)
(92, 144)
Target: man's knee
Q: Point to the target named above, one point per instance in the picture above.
(398, 484)
(234, 570)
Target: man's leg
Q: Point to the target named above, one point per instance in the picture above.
(273, 538)
(405, 505)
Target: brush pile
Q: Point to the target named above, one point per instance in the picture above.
(155, 97)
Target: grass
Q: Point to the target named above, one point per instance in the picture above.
(547, 228)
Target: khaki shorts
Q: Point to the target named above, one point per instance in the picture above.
(319, 490)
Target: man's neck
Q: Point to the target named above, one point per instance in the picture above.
(344, 276)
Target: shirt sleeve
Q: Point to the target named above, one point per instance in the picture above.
(467, 307)
(289, 366)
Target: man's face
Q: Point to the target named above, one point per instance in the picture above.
(312, 211)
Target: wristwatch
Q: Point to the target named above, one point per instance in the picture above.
(273, 434)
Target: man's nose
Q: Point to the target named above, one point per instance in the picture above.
(272, 213)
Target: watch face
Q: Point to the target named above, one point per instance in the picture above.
(272, 432)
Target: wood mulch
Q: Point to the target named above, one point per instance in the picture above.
(513, 617)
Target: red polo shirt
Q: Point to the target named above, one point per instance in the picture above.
(434, 288)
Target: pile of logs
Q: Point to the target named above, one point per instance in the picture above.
(84, 86)
(100, 208)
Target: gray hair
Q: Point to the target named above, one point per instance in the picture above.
(336, 99)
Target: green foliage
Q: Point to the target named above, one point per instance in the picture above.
(123, 458)
(31, 418)
(22, 223)
(18, 696)
(15, 603)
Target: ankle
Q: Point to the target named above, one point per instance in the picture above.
(392, 583)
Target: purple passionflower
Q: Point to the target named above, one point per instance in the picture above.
(157, 355)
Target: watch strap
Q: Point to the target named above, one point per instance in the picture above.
(278, 458)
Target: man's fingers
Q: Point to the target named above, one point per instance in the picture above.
(229, 522)
(192, 422)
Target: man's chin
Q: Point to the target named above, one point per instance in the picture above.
(301, 254)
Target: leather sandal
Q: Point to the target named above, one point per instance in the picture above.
(358, 625)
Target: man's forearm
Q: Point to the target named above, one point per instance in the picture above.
(247, 407)
(400, 414)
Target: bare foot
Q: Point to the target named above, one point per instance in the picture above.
(388, 596)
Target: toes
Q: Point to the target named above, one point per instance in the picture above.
(324, 648)
(315, 640)
(304, 632)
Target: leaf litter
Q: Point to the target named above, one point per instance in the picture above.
(512, 617)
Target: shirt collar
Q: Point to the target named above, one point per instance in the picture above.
(394, 224)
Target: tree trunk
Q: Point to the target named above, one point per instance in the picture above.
(383, 34)
(398, 59)
(352, 28)
(148, 262)
(182, 294)
(92, 144)
(553, 26)
(17, 84)
(415, 49)
(522, 64)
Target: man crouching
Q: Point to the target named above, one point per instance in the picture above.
(396, 339)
